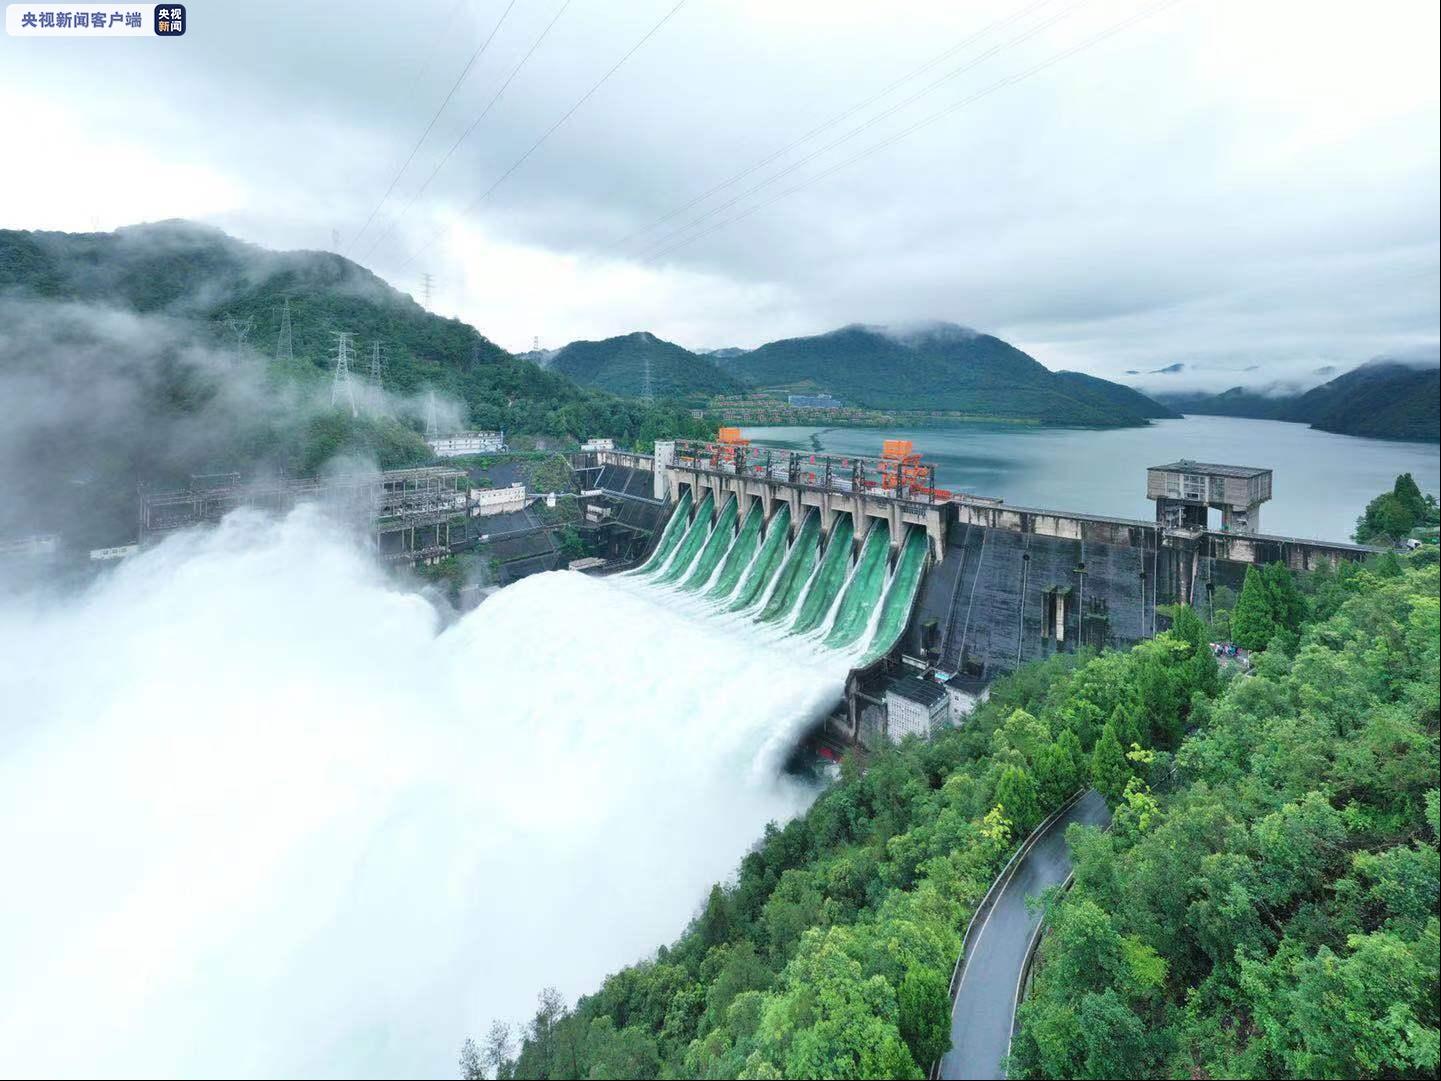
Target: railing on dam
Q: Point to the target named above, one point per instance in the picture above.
(907, 479)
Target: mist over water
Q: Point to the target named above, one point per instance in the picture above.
(265, 814)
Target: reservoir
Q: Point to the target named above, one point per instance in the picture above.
(1323, 481)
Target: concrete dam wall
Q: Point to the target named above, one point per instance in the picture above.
(1001, 598)
(999, 585)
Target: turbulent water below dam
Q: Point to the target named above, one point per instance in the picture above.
(268, 814)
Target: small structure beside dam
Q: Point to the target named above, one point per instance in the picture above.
(999, 585)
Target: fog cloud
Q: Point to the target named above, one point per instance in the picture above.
(265, 817)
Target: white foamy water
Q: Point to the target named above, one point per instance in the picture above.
(263, 817)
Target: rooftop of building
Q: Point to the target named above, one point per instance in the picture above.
(915, 689)
(1213, 469)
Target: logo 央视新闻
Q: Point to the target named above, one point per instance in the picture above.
(170, 19)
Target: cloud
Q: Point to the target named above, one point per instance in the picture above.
(100, 399)
(1195, 187)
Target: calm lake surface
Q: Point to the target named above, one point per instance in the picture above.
(1322, 481)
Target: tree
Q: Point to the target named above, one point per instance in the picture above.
(1288, 607)
(1109, 771)
(1408, 492)
(1388, 518)
(1058, 768)
(470, 1067)
(1188, 627)
(1016, 796)
(924, 1002)
(1252, 623)
(714, 924)
(499, 1047)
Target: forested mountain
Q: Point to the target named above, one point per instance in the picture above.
(1265, 905)
(1383, 399)
(939, 367)
(1114, 395)
(120, 365)
(633, 365)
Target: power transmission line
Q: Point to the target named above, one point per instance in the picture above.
(466, 133)
(890, 111)
(424, 134)
(1009, 80)
(832, 122)
(553, 128)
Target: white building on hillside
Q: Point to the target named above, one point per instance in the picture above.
(486, 501)
(460, 443)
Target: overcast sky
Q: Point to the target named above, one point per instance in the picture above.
(1247, 189)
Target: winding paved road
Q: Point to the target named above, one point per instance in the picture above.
(985, 1005)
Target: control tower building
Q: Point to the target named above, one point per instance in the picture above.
(1185, 490)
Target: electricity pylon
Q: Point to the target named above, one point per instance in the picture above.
(241, 329)
(432, 423)
(341, 387)
(285, 342)
(377, 376)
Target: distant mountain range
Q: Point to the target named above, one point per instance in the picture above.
(939, 367)
(1382, 399)
(637, 364)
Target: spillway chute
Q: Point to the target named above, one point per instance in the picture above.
(829, 579)
(900, 595)
(683, 558)
(739, 556)
(795, 572)
(713, 550)
(759, 575)
(669, 537)
(863, 592)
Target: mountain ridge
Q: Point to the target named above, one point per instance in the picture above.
(1384, 398)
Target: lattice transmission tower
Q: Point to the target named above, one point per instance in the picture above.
(241, 329)
(342, 387)
(427, 284)
(432, 422)
(377, 376)
(285, 340)
(647, 382)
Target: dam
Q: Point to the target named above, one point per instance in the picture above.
(869, 557)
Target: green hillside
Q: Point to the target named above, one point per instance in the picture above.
(1114, 395)
(123, 336)
(619, 365)
(1382, 399)
(942, 367)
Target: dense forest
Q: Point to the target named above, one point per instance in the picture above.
(1265, 904)
(642, 365)
(1273, 914)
